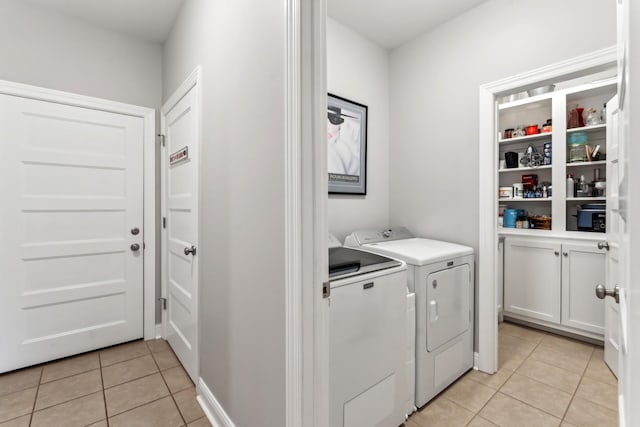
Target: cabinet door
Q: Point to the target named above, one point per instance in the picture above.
(582, 269)
(500, 275)
(532, 279)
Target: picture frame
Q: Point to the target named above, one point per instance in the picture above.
(346, 146)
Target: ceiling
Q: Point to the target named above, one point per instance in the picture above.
(150, 20)
(390, 23)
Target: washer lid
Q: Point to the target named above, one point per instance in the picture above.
(346, 262)
(419, 251)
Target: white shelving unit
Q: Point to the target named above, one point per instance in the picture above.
(536, 111)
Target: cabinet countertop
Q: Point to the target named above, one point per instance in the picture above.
(550, 234)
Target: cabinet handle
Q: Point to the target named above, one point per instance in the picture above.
(565, 254)
(556, 253)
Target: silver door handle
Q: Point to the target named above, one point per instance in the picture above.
(191, 250)
(603, 245)
(602, 292)
(135, 247)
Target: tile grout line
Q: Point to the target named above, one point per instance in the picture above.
(512, 374)
(528, 404)
(139, 406)
(496, 391)
(576, 392)
(69, 400)
(33, 407)
(167, 385)
(573, 395)
(146, 403)
(104, 398)
(102, 389)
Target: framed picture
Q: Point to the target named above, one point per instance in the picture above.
(347, 146)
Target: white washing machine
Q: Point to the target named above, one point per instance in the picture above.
(367, 308)
(442, 276)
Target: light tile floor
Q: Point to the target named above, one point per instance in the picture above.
(543, 380)
(137, 384)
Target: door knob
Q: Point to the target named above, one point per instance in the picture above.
(602, 292)
(603, 245)
(191, 250)
(135, 247)
(135, 231)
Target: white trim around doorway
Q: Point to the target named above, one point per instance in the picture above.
(306, 163)
(487, 340)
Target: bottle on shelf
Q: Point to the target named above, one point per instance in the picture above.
(582, 189)
(570, 185)
(575, 119)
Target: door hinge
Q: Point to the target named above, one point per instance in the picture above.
(163, 303)
(326, 290)
(164, 222)
(162, 141)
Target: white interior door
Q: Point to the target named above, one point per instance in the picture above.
(627, 184)
(614, 235)
(180, 252)
(71, 182)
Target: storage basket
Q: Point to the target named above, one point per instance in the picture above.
(540, 222)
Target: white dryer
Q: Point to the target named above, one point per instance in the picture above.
(442, 276)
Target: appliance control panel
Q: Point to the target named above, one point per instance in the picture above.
(363, 237)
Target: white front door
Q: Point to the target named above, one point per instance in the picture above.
(71, 263)
(180, 238)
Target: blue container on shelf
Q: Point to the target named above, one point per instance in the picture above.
(511, 216)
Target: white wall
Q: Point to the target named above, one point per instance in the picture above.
(358, 70)
(434, 100)
(240, 45)
(44, 48)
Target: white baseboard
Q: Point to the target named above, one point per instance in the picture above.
(476, 358)
(211, 407)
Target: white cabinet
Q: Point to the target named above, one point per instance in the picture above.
(532, 278)
(552, 282)
(583, 267)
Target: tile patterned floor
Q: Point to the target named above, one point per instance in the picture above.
(543, 380)
(137, 384)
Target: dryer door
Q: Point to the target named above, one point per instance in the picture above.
(448, 313)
